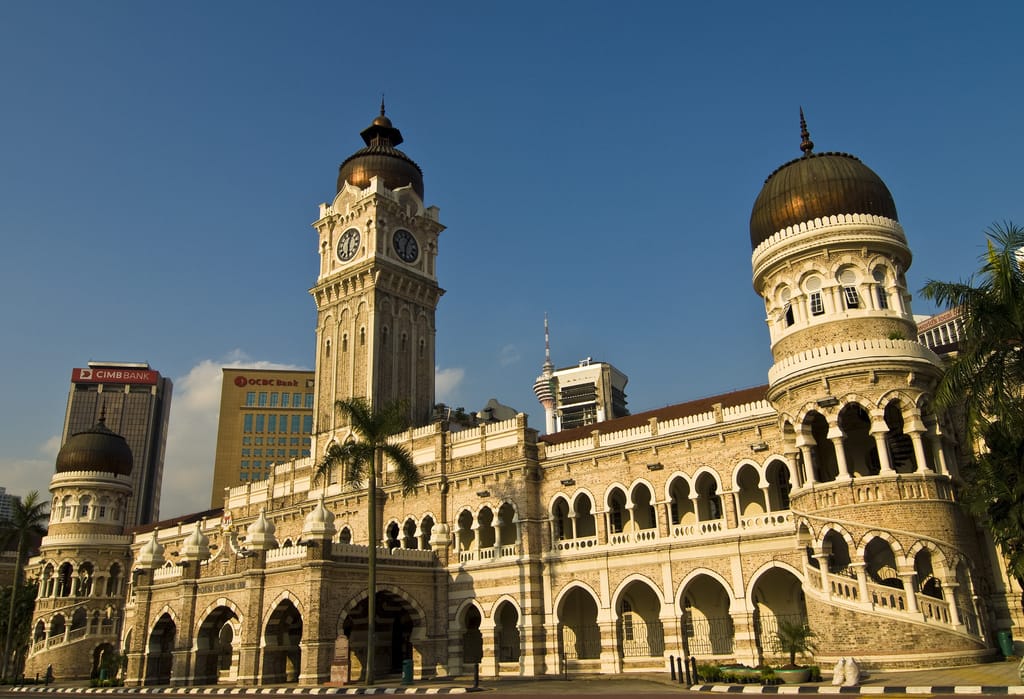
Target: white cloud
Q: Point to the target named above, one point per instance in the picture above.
(446, 384)
(23, 475)
(192, 433)
(508, 355)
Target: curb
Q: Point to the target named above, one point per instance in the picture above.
(313, 691)
(869, 689)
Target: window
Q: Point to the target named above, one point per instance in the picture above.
(850, 297)
(880, 291)
(263, 399)
(293, 453)
(273, 400)
(814, 301)
(627, 620)
(294, 441)
(271, 423)
(295, 424)
(307, 424)
(257, 452)
(787, 314)
(283, 424)
(247, 452)
(247, 441)
(815, 304)
(309, 400)
(284, 399)
(247, 423)
(848, 280)
(280, 453)
(245, 463)
(296, 400)
(250, 398)
(259, 423)
(259, 441)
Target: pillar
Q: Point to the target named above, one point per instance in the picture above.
(878, 430)
(835, 435)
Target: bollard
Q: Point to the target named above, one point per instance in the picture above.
(672, 666)
(689, 680)
(679, 665)
(693, 669)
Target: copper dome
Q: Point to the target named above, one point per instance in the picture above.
(814, 186)
(381, 159)
(96, 449)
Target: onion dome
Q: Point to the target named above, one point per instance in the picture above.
(380, 158)
(319, 523)
(260, 534)
(817, 185)
(96, 449)
(151, 555)
(197, 546)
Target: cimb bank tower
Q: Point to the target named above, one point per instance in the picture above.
(827, 496)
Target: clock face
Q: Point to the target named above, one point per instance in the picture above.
(348, 245)
(406, 246)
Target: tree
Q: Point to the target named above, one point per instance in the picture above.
(984, 381)
(986, 376)
(364, 456)
(26, 524)
(795, 637)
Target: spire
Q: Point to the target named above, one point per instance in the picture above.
(382, 104)
(806, 144)
(548, 366)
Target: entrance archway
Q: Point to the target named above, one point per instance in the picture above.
(777, 597)
(395, 624)
(707, 625)
(579, 633)
(216, 656)
(159, 652)
(281, 653)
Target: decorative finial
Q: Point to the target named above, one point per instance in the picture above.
(806, 144)
(382, 104)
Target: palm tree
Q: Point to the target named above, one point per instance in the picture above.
(795, 637)
(985, 380)
(26, 523)
(365, 455)
(986, 375)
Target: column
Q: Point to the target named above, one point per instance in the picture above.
(489, 657)
(922, 462)
(835, 435)
(909, 579)
(794, 472)
(804, 442)
(822, 559)
(954, 613)
(879, 430)
(862, 581)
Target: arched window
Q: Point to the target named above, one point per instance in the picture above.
(815, 304)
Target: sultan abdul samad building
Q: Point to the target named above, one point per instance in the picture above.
(828, 495)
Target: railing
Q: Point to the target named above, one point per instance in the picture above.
(640, 536)
(712, 636)
(711, 526)
(844, 587)
(75, 634)
(286, 553)
(640, 639)
(933, 609)
(581, 644)
(768, 520)
(969, 620)
(767, 629)
(887, 597)
(167, 572)
(575, 544)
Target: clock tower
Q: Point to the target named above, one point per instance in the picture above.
(377, 292)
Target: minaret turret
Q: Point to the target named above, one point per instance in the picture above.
(849, 380)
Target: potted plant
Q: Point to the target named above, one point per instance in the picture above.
(794, 638)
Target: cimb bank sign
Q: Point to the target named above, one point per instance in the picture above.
(115, 375)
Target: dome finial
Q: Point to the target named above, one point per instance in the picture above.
(806, 144)
(382, 104)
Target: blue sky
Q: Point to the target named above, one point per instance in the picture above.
(161, 164)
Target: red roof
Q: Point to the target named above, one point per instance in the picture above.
(669, 412)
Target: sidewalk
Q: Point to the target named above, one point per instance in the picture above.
(997, 678)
